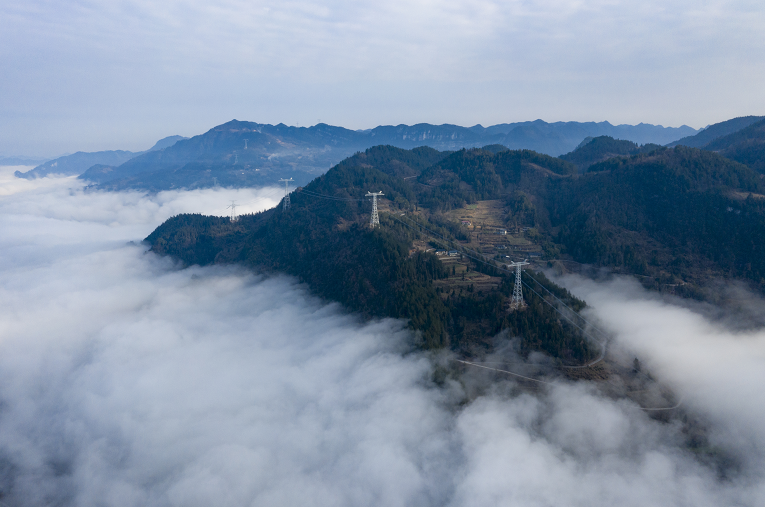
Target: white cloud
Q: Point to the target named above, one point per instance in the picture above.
(125, 380)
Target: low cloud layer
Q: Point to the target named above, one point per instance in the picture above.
(719, 372)
(125, 380)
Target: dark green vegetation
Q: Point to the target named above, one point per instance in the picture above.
(677, 217)
(598, 149)
(746, 146)
(327, 243)
(740, 139)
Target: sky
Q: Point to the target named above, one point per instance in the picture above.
(127, 380)
(93, 75)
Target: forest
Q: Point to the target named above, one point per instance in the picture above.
(676, 216)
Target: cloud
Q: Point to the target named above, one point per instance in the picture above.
(125, 380)
(182, 67)
(719, 372)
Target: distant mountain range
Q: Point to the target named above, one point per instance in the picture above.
(740, 139)
(79, 162)
(240, 153)
(712, 132)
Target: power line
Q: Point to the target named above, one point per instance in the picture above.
(484, 261)
(569, 320)
(329, 197)
(286, 194)
(506, 371)
(233, 210)
(375, 219)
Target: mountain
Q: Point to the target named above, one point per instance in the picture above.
(746, 146)
(563, 137)
(79, 162)
(598, 149)
(712, 132)
(166, 142)
(236, 153)
(678, 217)
(325, 240)
(240, 153)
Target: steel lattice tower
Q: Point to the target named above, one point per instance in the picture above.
(517, 300)
(375, 218)
(233, 210)
(286, 201)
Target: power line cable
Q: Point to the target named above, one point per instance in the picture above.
(602, 344)
(330, 197)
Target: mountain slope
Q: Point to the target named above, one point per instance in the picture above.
(325, 240)
(746, 146)
(678, 215)
(236, 153)
(77, 163)
(568, 135)
(80, 162)
(712, 132)
(241, 153)
(602, 148)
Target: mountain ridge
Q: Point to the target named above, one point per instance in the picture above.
(241, 153)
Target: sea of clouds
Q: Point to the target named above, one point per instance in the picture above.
(126, 380)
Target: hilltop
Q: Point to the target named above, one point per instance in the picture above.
(393, 270)
(679, 218)
(598, 149)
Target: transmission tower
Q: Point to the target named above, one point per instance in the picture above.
(375, 219)
(517, 300)
(286, 201)
(233, 210)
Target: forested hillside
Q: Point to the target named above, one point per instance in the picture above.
(677, 217)
(325, 240)
(680, 215)
(746, 146)
(602, 148)
(715, 131)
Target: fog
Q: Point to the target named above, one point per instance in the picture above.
(126, 379)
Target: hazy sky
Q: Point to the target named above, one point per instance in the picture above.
(91, 75)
